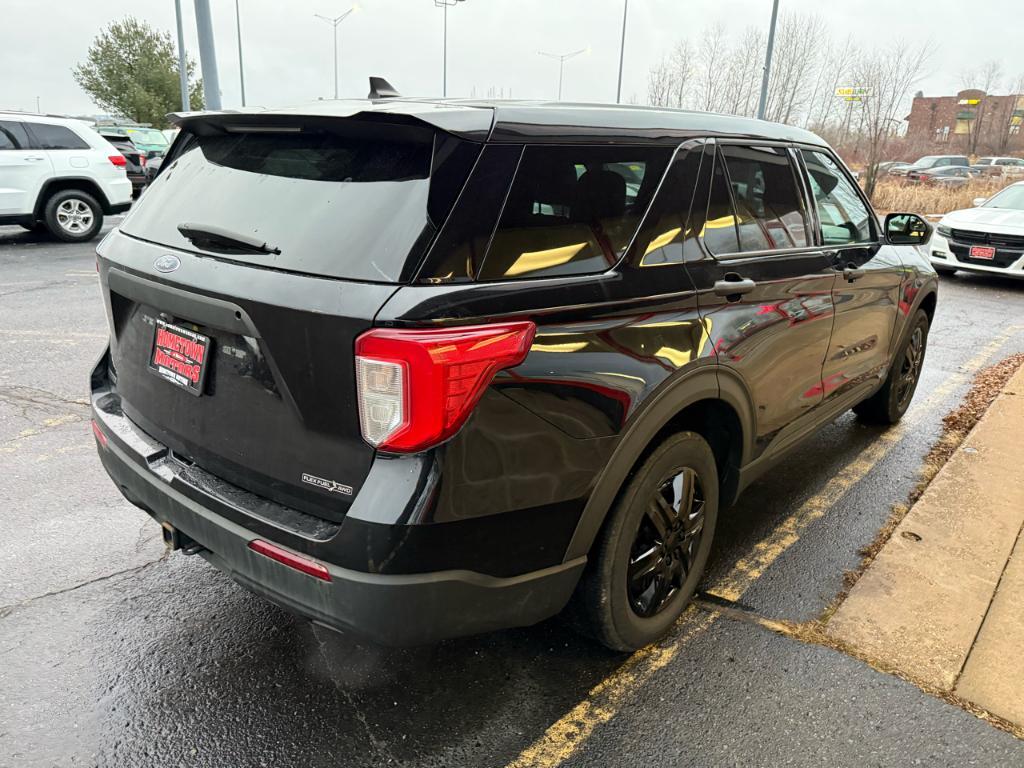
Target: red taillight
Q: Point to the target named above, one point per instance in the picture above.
(118, 160)
(292, 560)
(416, 388)
(100, 437)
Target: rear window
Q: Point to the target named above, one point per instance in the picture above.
(572, 210)
(56, 137)
(348, 200)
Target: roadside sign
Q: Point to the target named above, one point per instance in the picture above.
(853, 92)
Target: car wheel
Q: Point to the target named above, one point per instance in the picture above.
(651, 553)
(888, 404)
(73, 216)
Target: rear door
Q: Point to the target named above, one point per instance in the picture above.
(69, 153)
(765, 289)
(23, 169)
(240, 358)
(868, 278)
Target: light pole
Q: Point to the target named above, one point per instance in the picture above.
(562, 58)
(622, 51)
(763, 103)
(241, 66)
(444, 50)
(334, 22)
(207, 55)
(182, 65)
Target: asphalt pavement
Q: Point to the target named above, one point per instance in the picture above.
(113, 654)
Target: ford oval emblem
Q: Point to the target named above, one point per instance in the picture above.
(167, 263)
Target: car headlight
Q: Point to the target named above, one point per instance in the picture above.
(944, 231)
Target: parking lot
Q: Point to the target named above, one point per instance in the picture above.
(112, 653)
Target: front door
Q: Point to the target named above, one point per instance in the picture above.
(868, 278)
(765, 289)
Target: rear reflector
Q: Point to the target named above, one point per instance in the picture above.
(100, 437)
(118, 160)
(283, 556)
(416, 388)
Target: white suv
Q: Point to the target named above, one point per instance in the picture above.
(59, 173)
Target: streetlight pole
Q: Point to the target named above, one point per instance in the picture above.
(182, 64)
(622, 51)
(334, 22)
(207, 55)
(444, 45)
(241, 66)
(562, 58)
(763, 103)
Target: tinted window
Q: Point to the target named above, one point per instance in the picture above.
(677, 215)
(718, 230)
(56, 137)
(348, 199)
(12, 135)
(572, 210)
(769, 210)
(844, 217)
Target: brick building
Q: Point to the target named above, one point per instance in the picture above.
(971, 122)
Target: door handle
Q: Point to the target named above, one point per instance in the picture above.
(33, 158)
(851, 273)
(737, 286)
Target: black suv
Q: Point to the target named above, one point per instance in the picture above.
(420, 368)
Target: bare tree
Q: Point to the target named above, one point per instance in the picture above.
(740, 88)
(682, 62)
(798, 43)
(832, 69)
(1013, 101)
(889, 73)
(659, 84)
(985, 78)
(711, 69)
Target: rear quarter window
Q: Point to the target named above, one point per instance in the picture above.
(56, 137)
(572, 210)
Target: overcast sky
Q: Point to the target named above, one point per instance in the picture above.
(491, 43)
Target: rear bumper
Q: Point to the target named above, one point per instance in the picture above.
(393, 609)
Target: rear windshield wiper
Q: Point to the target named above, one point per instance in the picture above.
(211, 238)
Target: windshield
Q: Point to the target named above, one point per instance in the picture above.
(147, 136)
(926, 162)
(338, 201)
(1011, 197)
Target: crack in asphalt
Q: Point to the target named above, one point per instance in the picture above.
(16, 394)
(380, 747)
(7, 610)
(44, 287)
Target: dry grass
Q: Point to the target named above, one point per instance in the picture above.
(895, 194)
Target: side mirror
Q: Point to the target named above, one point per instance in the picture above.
(906, 229)
(979, 201)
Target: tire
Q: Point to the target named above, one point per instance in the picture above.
(73, 216)
(888, 404)
(620, 613)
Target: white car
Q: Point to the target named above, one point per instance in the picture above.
(988, 238)
(60, 174)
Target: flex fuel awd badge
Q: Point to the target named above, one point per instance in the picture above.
(328, 485)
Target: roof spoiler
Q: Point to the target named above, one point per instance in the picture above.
(382, 89)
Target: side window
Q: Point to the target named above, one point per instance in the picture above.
(844, 217)
(718, 229)
(56, 137)
(12, 135)
(677, 213)
(769, 208)
(572, 210)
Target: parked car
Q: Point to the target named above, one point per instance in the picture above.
(988, 238)
(930, 162)
(420, 369)
(1000, 166)
(893, 168)
(138, 173)
(60, 174)
(150, 141)
(946, 176)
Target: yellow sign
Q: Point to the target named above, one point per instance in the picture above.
(853, 92)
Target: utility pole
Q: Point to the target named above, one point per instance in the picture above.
(241, 66)
(207, 55)
(763, 103)
(562, 58)
(444, 44)
(622, 51)
(334, 22)
(182, 64)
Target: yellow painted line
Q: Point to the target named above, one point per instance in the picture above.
(563, 737)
